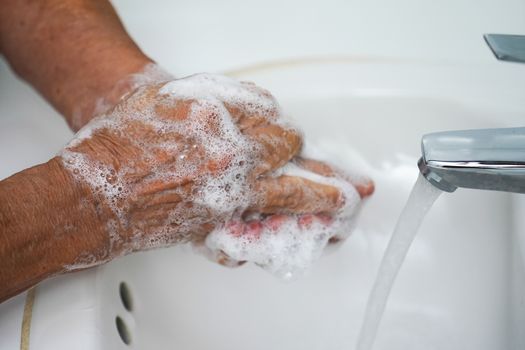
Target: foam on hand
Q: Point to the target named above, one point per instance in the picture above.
(289, 248)
(206, 136)
(206, 133)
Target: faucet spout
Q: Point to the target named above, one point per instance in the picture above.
(485, 159)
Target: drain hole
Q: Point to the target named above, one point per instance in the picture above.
(125, 296)
(123, 330)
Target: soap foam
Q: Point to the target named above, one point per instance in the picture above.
(289, 250)
(207, 133)
(151, 74)
(216, 87)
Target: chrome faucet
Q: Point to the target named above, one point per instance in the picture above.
(506, 47)
(485, 159)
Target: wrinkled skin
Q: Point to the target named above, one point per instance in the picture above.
(150, 210)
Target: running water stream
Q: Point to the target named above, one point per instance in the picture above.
(420, 201)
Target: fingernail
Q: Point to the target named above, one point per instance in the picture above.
(225, 260)
(366, 189)
(335, 240)
(305, 221)
(325, 219)
(253, 229)
(274, 222)
(236, 228)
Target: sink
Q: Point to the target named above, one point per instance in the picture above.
(462, 285)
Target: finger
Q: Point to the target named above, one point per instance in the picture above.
(245, 120)
(315, 166)
(365, 189)
(274, 222)
(364, 186)
(253, 102)
(306, 221)
(224, 259)
(295, 195)
(251, 230)
(219, 256)
(173, 110)
(278, 146)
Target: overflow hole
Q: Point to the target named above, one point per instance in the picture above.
(125, 296)
(123, 330)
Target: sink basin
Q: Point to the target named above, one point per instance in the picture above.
(462, 285)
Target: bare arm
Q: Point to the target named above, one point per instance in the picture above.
(73, 52)
(46, 222)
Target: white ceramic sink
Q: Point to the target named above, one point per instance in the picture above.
(462, 286)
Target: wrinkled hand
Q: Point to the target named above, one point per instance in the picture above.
(173, 161)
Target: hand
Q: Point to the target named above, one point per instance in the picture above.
(271, 241)
(172, 161)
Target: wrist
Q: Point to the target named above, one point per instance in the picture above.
(116, 86)
(87, 218)
(107, 80)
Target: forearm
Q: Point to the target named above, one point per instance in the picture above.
(73, 52)
(47, 225)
